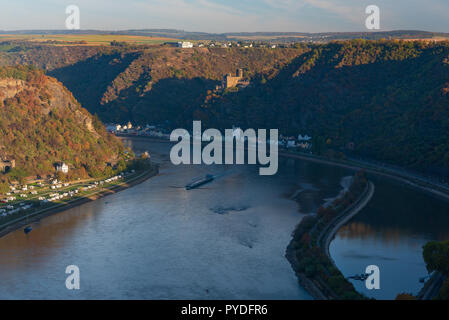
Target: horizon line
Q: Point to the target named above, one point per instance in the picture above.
(80, 31)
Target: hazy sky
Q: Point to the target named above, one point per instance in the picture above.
(227, 15)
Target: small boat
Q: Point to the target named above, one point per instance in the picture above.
(197, 183)
(360, 277)
(28, 229)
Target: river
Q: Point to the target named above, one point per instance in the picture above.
(225, 240)
(390, 233)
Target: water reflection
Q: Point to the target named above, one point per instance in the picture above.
(159, 241)
(224, 240)
(390, 233)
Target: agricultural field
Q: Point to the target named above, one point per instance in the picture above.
(84, 39)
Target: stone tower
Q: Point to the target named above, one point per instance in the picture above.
(6, 165)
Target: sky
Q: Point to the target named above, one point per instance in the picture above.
(219, 16)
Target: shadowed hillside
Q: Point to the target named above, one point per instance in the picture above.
(161, 83)
(388, 100)
(89, 79)
(391, 99)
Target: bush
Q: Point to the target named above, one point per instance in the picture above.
(405, 296)
(436, 256)
(310, 271)
(4, 187)
(17, 174)
(444, 291)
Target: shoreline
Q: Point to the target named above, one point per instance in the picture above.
(23, 221)
(407, 178)
(328, 235)
(317, 287)
(441, 192)
(431, 287)
(413, 182)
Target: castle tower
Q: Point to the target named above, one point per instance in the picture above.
(226, 81)
(7, 165)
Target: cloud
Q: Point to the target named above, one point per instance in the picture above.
(348, 12)
(195, 15)
(227, 15)
(286, 4)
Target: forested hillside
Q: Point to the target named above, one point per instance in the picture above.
(158, 84)
(41, 123)
(387, 99)
(145, 84)
(391, 99)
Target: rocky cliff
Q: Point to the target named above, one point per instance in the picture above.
(41, 123)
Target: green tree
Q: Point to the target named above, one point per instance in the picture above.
(444, 291)
(121, 165)
(4, 187)
(18, 174)
(436, 256)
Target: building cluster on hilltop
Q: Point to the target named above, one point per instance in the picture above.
(227, 44)
(185, 44)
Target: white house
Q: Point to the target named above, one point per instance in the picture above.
(62, 167)
(185, 44)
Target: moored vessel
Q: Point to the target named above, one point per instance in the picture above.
(197, 183)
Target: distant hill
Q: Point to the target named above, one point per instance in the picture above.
(265, 36)
(41, 123)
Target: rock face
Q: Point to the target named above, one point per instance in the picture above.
(41, 123)
(10, 87)
(62, 98)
